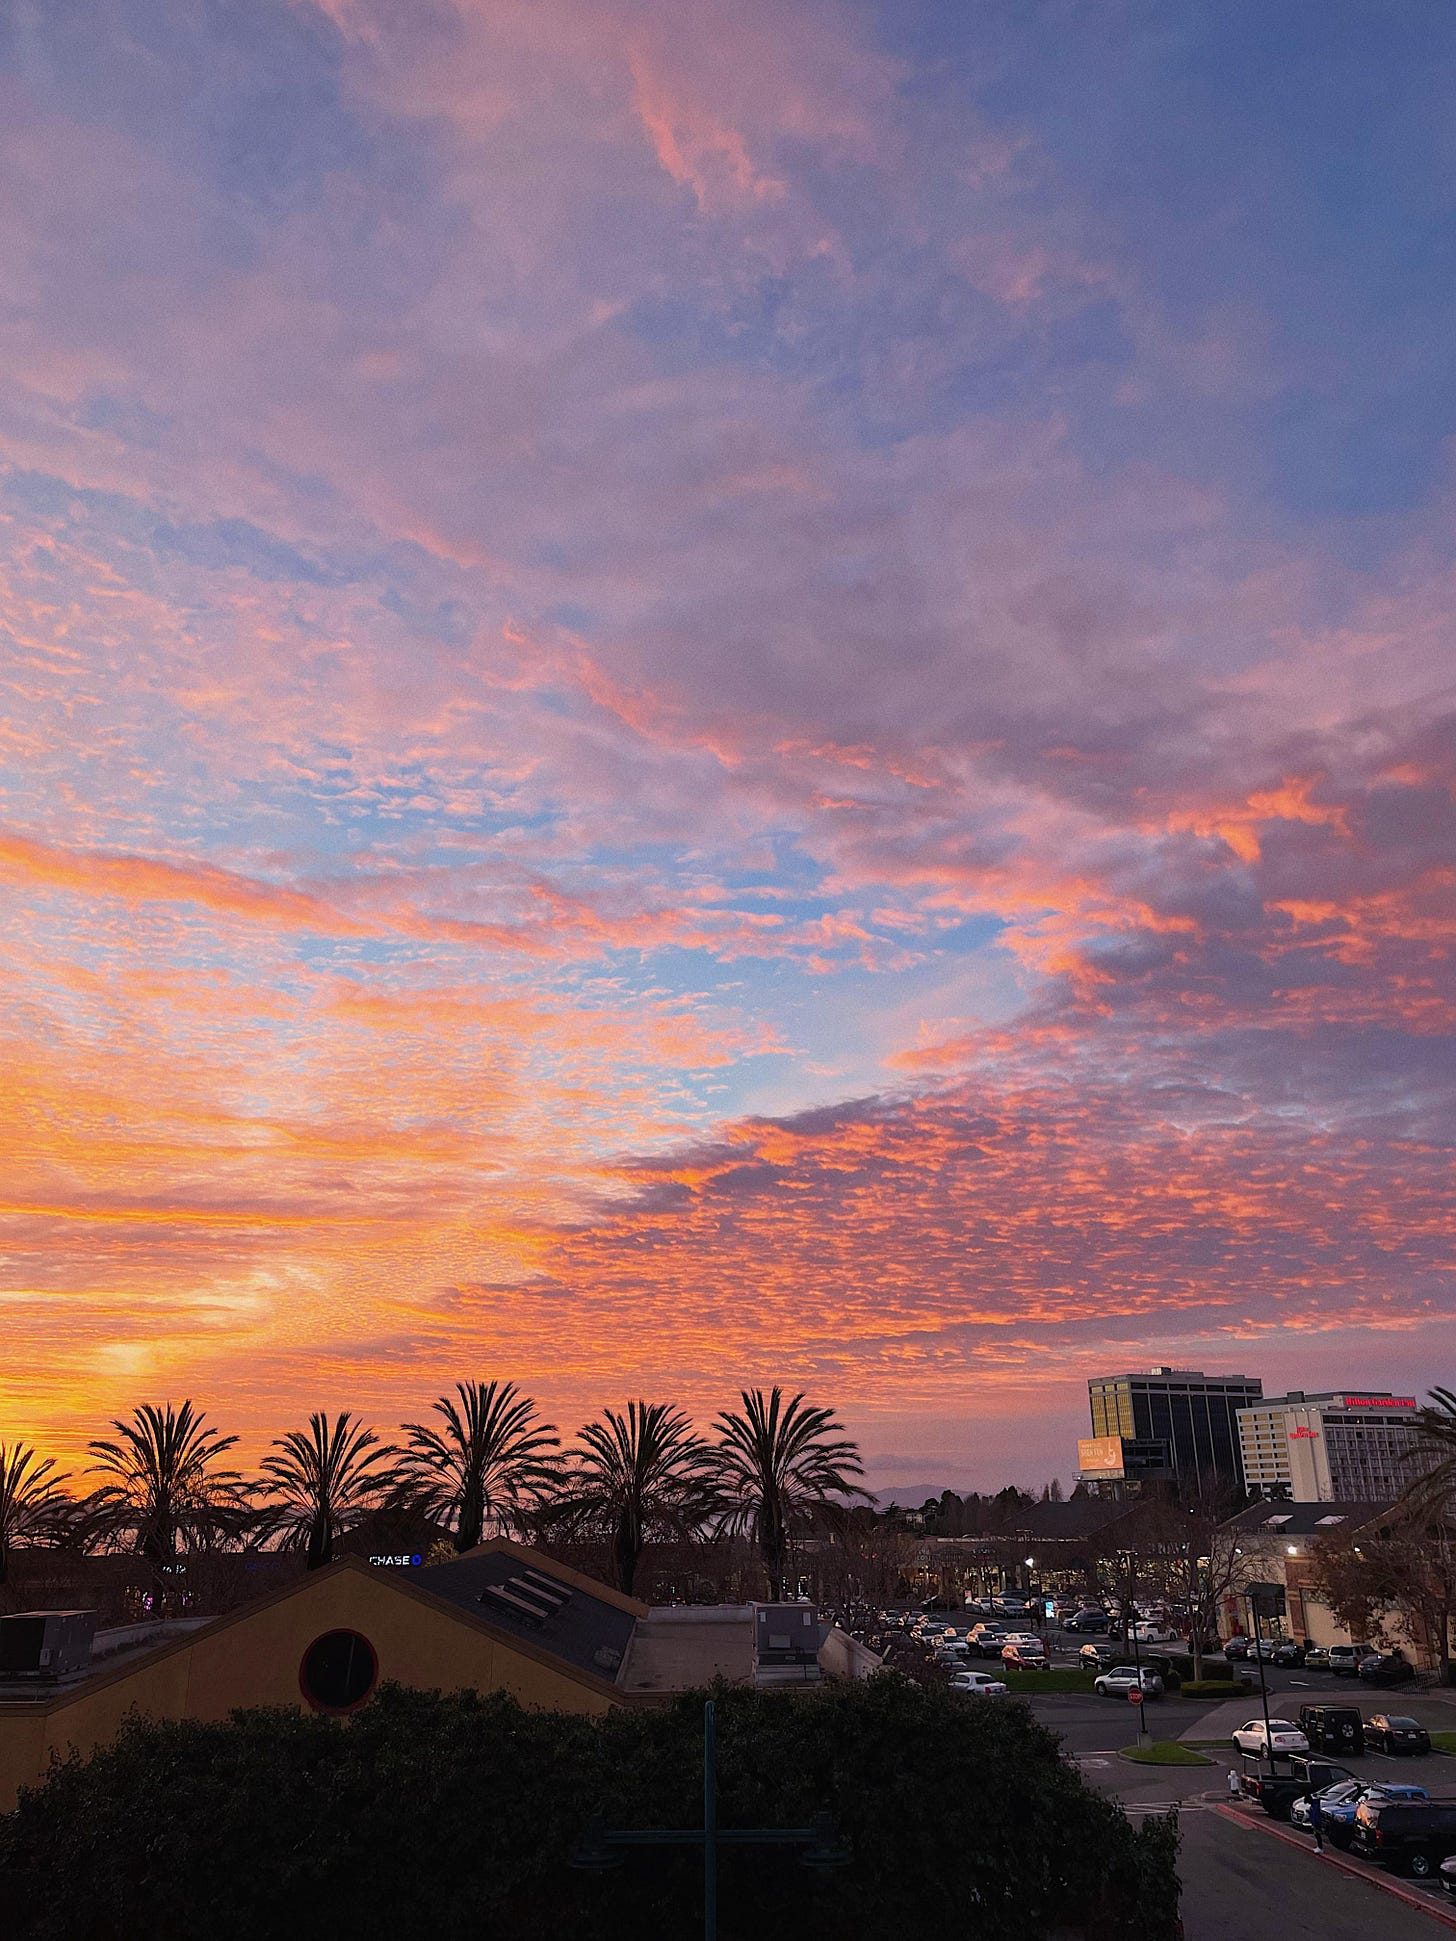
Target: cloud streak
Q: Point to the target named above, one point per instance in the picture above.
(682, 700)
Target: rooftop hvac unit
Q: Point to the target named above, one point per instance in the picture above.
(786, 1634)
(45, 1644)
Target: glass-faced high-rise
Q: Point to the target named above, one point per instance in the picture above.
(1190, 1416)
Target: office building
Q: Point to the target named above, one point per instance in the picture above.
(1341, 1447)
(1165, 1425)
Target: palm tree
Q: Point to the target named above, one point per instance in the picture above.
(325, 1480)
(639, 1476)
(485, 1466)
(167, 1483)
(781, 1468)
(32, 1505)
(1434, 1450)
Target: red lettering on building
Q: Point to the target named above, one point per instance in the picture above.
(1379, 1401)
(1300, 1435)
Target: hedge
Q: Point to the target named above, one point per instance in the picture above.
(459, 1815)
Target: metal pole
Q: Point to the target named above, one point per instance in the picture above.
(1263, 1688)
(1137, 1663)
(710, 1824)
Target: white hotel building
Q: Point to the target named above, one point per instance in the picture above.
(1338, 1448)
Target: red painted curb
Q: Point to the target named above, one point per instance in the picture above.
(1353, 1868)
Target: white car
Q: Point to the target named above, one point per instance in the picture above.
(1123, 1679)
(1153, 1631)
(1020, 1637)
(979, 1682)
(1281, 1736)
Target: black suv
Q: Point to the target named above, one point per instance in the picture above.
(1332, 1728)
(1415, 1834)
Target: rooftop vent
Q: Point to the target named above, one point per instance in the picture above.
(530, 1597)
(1325, 1522)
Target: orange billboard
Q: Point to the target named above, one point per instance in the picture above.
(1100, 1454)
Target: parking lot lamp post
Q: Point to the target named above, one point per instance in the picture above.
(823, 1851)
(1130, 1625)
(1263, 1687)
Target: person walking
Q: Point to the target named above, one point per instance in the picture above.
(1317, 1822)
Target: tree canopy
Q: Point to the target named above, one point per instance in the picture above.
(459, 1815)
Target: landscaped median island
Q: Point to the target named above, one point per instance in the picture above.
(425, 1814)
(1214, 1688)
(1443, 1742)
(1164, 1752)
(1059, 1678)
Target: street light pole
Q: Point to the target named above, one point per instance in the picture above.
(710, 1823)
(823, 1851)
(1263, 1688)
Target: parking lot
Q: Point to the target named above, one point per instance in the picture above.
(1245, 1875)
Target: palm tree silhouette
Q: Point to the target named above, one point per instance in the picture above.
(485, 1466)
(1433, 1491)
(323, 1481)
(639, 1476)
(167, 1484)
(781, 1467)
(32, 1503)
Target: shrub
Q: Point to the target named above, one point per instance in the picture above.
(459, 1815)
(1214, 1688)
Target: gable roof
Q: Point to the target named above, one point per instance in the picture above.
(539, 1602)
(1306, 1519)
(398, 1583)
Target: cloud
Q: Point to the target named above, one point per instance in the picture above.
(694, 674)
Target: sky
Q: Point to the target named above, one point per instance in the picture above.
(723, 694)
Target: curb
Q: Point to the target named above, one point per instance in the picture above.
(1383, 1883)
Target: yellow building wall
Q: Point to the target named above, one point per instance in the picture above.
(255, 1660)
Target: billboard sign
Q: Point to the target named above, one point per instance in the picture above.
(1100, 1455)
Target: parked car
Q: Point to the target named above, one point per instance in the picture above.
(1329, 1797)
(1339, 1815)
(986, 1640)
(980, 1684)
(1100, 1656)
(1316, 1658)
(1089, 1618)
(1332, 1728)
(1345, 1659)
(1237, 1647)
(1387, 1668)
(1448, 1875)
(1407, 1835)
(1123, 1679)
(1277, 1784)
(1281, 1735)
(1024, 1657)
(1288, 1652)
(1012, 1605)
(1389, 1732)
(1154, 1631)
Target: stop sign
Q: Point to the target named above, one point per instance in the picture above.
(1136, 1696)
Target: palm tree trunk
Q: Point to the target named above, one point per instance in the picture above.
(626, 1550)
(472, 1520)
(320, 1545)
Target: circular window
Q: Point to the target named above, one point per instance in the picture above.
(338, 1672)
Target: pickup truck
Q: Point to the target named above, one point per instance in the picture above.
(1277, 1787)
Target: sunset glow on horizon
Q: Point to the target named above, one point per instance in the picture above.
(759, 693)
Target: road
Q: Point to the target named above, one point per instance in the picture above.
(1240, 1882)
